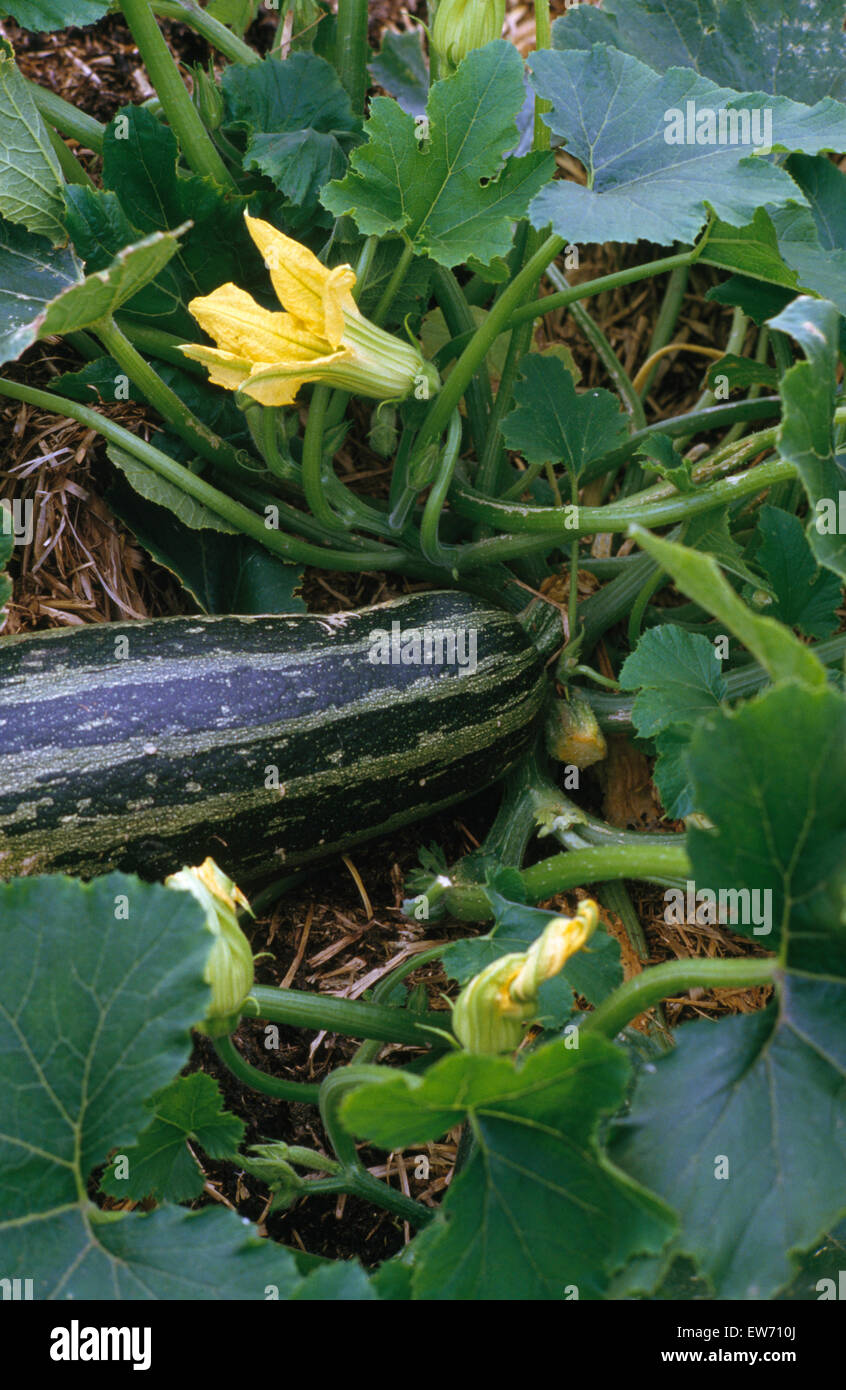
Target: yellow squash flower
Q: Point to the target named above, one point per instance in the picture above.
(322, 335)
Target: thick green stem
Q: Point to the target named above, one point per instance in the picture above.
(645, 509)
(667, 318)
(156, 342)
(197, 145)
(66, 119)
(487, 474)
(661, 981)
(430, 543)
(286, 547)
(209, 28)
(351, 1017)
(543, 39)
(651, 863)
(460, 321)
(356, 1176)
(351, 50)
(70, 165)
(181, 420)
(398, 275)
(301, 1092)
(313, 461)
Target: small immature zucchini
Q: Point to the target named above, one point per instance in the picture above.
(262, 741)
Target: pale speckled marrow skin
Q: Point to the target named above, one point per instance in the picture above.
(267, 742)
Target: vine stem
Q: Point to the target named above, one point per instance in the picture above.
(177, 105)
(562, 298)
(648, 988)
(543, 39)
(356, 1177)
(351, 50)
(286, 547)
(353, 1017)
(65, 118)
(301, 1092)
(209, 28)
(486, 334)
(663, 864)
(601, 346)
(164, 400)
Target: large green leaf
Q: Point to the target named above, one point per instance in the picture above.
(781, 820)
(795, 47)
(298, 122)
(537, 1210)
(156, 489)
(764, 1093)
(615, 116)
(99, 228)
(552, 424)
(798, 247)
(45, 292)
(806, 435)
(699, 576)
(100, 985)
(42, 16)
(30, 175)
(448, 194)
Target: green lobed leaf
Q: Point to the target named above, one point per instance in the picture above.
(552, 424)
(99, 228)
(154, 488)
(30, 174)
(795, 47)
(43, 16)
(806, 597)
(613, 113)
(678, 676)
(710, 532)
(400, 67)
(537, 1209)
(699, 576)
(664, 459)
(298, 122)
(431, 190)
(806, 434)
(161, 1165)
(755, 297)
(781, 820)
(813, 240)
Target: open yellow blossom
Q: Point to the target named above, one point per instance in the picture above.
(322, 335)
(492, 1011)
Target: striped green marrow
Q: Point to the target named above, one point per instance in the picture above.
(262, 741)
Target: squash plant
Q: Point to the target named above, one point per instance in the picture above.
(381, 262)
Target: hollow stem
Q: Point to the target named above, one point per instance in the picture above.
(196, 143)
(660, 982)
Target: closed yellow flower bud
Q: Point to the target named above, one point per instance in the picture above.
(491, 1012)
(229, 968)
